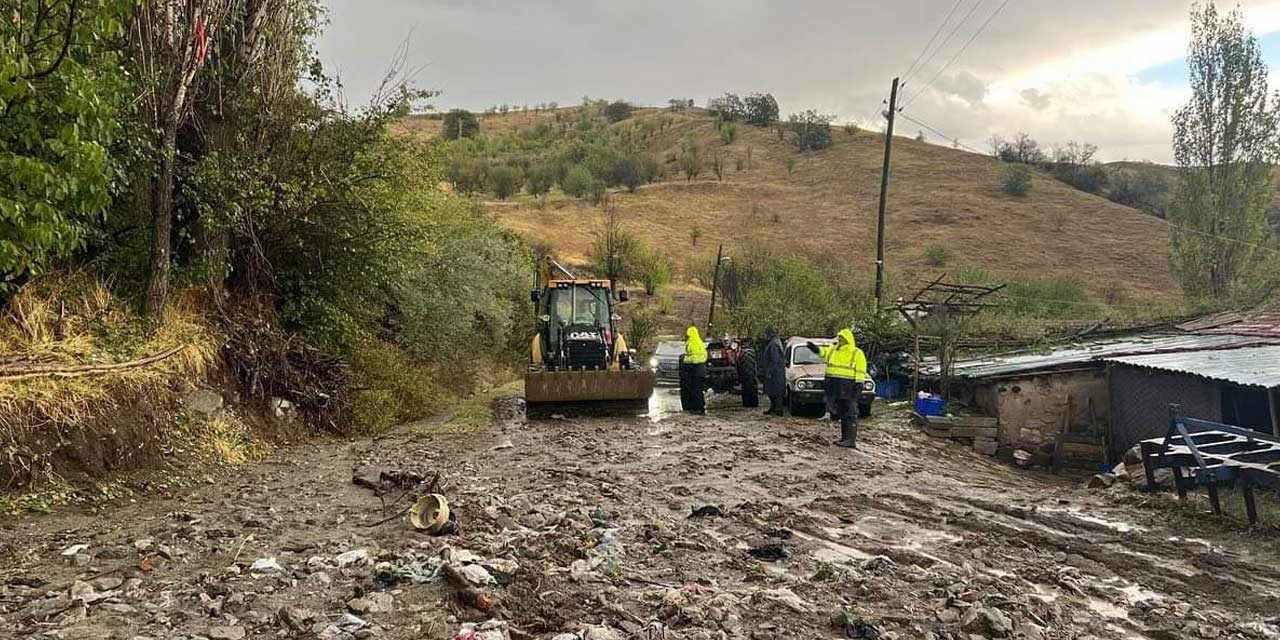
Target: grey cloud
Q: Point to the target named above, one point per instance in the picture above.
(1035, 99)
(965, 85)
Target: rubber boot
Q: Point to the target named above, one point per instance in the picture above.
(848, 434)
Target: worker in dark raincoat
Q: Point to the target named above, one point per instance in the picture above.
(773, 370)
(693, 373)
(846, 369)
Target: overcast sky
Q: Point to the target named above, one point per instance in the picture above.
(1104, 71)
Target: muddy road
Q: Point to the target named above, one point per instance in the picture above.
(699, 527)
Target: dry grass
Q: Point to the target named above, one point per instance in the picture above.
(74, 319)
(828, 207)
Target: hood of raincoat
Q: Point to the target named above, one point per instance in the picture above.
(848, 337)
(691, 334)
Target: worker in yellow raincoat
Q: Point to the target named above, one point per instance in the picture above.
(845, 371)
(693, 373)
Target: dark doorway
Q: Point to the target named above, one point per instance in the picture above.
(1246, 407)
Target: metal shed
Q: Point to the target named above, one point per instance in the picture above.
(1233, 386)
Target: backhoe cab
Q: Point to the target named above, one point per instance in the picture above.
(579, 358)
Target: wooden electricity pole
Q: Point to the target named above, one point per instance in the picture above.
(884, 192)
(715, 284)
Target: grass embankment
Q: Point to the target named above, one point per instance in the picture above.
(473, 414)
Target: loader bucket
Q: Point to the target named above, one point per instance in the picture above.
(599, 391)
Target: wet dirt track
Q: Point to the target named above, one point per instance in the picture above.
(584, 526)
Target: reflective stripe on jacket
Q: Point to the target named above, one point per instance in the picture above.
(695, 351)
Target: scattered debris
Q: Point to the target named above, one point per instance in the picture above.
(707, 511)
(769, 551)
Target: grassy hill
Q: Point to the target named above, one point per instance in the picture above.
(826, 206)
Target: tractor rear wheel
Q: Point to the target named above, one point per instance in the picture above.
(747, 378)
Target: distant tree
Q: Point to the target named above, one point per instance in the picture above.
(577, 181)
(761, 110)
(1023, 149)
(615, 251)
(695, 232)
(728, 132)
(539, 180)
(850, 128)
(468, 174)
(748, 157)
(717, 163)
(810, 131)
(1017, 181)
(691, 158)
(618, 111)
(1225, 143)
(504, 181)
(459, 123)
(677, 104)
(920, 136)
(628, 172)
(728, 107)
(1073, 164)
(790, 164)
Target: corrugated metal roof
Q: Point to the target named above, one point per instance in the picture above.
(1251, 366)
(1086, 353)
(1261, 321)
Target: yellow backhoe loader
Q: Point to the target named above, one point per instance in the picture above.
(578, 360)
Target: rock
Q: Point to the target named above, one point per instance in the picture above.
(81, 560)
(1101, 481)
(72, 550)
(707, 511)
(784, 597)
(986, 446)
(600, 632)
(107, 583)
(117, 607)
(143, 544)
(235, 632)
(83, 592)
(354, 557)
(948, 616)
(283, 409)
(295, 618)
(266, 566)
(489, 630)
(769, 551)
(203, 401)
(45, 609)
(477, 575)
(987, 620)
(373, 603)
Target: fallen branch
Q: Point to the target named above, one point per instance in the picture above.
(22, 372)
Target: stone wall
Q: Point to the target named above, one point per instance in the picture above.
(1034, 410)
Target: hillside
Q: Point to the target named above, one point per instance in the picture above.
(827, 206)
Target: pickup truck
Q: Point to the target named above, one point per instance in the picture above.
(805, 380)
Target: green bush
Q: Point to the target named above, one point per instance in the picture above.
(728, 133)
(939, 255)
(810, 131)
(578, 182)
(642, 331)
(618, 111)
(1017, 181)
(370, 412)
(504, 181)
(653, 270)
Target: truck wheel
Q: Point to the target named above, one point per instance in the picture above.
(747, 378)
(864, 410)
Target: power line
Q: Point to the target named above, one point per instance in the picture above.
(952, 34)
(943, 135)
(960, 52)
(907, 76)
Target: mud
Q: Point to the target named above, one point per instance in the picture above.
(587, 526)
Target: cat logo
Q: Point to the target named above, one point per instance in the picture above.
(584, 335)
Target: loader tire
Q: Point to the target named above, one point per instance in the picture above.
(747, 379)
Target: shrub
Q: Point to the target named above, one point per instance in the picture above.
(691, 158)
(1143, 188)
(810, 131)
(728, 133)
(652, 270)
(578, 182)
(539, 180)
(504, 181)
(642, 331)
(1017, 181)
(694, 233)
(618, 111)
(850, 129)
(791, 164)
(939, 255)
(728, 107)
(459, 123)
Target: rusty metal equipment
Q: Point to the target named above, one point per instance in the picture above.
(1207, 454)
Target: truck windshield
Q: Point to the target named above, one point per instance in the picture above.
(580, 305)
(801, 354)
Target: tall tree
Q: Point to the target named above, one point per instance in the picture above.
(1225, 141)
(172, 40)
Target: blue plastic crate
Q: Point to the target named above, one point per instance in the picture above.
(930, 406)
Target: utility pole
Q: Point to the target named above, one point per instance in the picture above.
(884, 193)
(715, 284)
